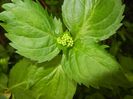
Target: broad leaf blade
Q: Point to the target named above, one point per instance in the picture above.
(42, 81)
(97, 19)
(92, 66)
(31, 30)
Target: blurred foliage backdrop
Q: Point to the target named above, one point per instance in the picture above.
(120, 45)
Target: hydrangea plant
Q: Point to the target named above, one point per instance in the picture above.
(57, 59)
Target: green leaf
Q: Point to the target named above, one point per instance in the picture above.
(3, 82)
(97, 19)
(2, 97)
(32, 31)
(93, 66)
(127, 64)
(40, 81)
(4, 64)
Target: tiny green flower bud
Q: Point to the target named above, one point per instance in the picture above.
(65, 40)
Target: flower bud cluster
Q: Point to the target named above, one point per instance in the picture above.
(65, 40)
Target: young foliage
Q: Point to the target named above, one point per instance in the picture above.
(31, 30)
(62, 58)
(97, 19)
(40, 81)
(91, 65)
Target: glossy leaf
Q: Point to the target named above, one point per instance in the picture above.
(92, 66)
(97, 19)
(32, 31)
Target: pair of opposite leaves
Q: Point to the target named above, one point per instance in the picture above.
(34, 34)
